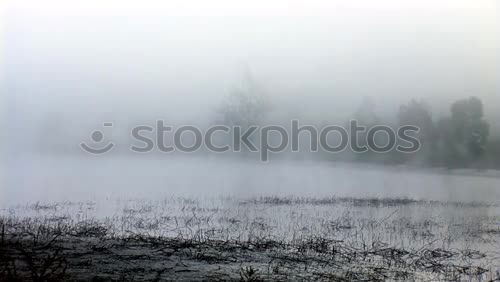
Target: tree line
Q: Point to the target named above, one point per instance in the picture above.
(459, 139)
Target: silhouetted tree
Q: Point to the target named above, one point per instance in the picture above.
(464, 135)
(365, 116)
(470, 130)
(245, 105)
(493, 154)
(417, 113)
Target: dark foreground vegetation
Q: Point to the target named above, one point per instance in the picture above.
(84, 254)
(88, 252)
(57, 247)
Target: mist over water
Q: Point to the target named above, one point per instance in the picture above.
(105, 180)
(69, 68)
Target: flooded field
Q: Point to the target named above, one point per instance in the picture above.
(255, 239)
(280, 222)
(31, 179)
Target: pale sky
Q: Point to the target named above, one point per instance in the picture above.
(179, 56)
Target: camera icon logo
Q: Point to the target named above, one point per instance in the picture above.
(98, 137)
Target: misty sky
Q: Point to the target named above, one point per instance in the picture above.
(181, 57)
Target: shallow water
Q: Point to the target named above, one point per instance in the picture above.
(29, 179)
(221, 199)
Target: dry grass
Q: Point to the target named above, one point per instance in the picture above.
(302, 239)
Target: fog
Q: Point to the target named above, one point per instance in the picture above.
(258, 140)
(67, 67)
(179, 58)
